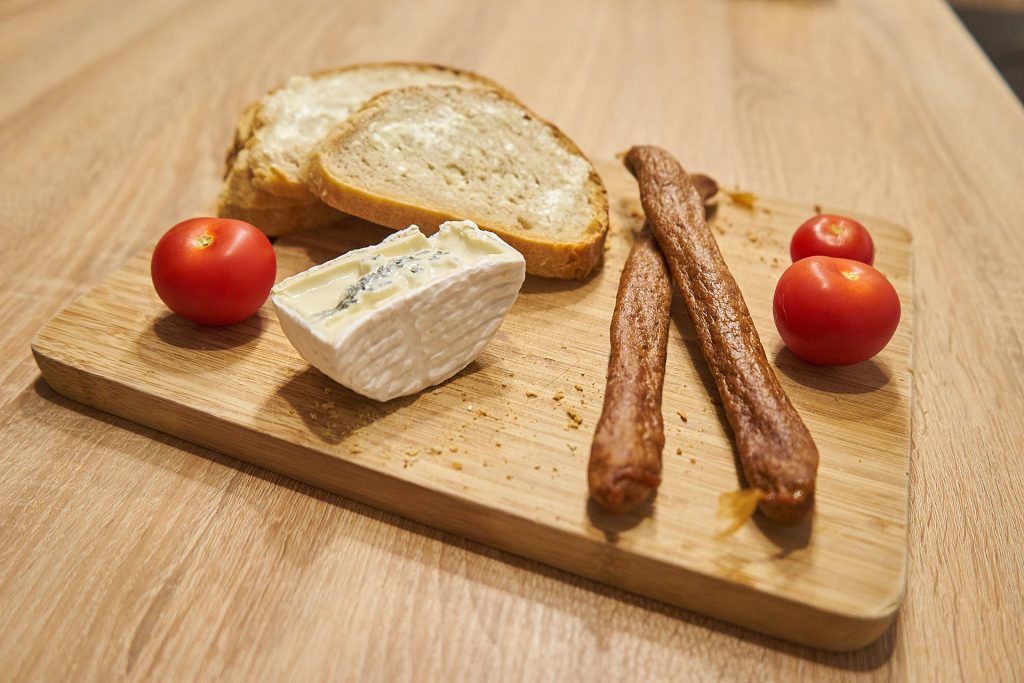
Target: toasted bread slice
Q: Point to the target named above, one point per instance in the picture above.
(289, 121)
(426, 155)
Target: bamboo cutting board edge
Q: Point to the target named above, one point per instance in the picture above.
(726, 592)
(730, 601)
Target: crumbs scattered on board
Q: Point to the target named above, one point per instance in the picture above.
(574, 418)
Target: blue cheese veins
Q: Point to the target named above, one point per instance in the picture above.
(394, 318)
(385, 277)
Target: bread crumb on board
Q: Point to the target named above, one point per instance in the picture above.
(559, 395)
(531, 394)
(574, 418)
(682, 416)
(456, 465)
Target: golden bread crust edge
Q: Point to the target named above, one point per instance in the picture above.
(563, 260)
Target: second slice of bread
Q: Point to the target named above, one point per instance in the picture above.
(425, 155)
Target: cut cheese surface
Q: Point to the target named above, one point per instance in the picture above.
(394, 318)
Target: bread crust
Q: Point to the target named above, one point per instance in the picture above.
(563, 260)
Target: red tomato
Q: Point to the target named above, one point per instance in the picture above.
(834, 311)
(828, 235)
(215, 271)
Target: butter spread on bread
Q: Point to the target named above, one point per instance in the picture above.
(429, 154)
(274, 136)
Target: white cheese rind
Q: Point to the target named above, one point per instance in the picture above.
(415, 338)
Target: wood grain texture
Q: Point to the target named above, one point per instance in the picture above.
(123, 555)
(494, 455)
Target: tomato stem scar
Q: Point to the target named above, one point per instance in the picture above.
(203, 241)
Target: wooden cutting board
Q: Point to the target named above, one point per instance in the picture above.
(494, 455)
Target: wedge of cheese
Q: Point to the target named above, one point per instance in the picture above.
(395, 318)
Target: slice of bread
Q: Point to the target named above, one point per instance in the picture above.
(291, 120)
(426, 155)
(272, 136)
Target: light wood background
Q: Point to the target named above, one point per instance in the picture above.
(127, 554)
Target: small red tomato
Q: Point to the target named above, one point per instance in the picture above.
(834, 311)
(829, 235)
(215, 271)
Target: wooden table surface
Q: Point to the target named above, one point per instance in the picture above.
(125, 553)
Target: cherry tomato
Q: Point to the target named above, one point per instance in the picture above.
(834, 311)
(829, 235)
(215, 271)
